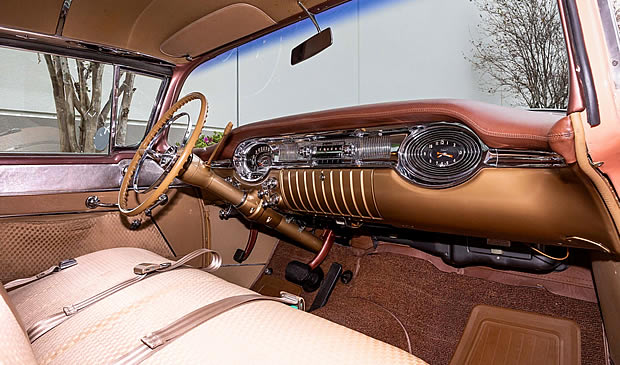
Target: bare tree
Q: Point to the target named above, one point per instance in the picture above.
(84, 95)
(521, 49)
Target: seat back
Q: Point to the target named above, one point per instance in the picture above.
(14, 346)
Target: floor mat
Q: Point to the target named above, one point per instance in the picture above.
(501, 336)
(432, 305)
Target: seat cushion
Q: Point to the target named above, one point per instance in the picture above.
(14, 346)
(258, 332)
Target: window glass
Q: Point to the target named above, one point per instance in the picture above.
(217, 80)
(137, 97)
(57, 104)
(393, 50)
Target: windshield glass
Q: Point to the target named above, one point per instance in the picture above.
(502, 52)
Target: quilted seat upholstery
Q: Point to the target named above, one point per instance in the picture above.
(256, 333)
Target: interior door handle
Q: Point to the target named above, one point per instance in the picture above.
(93, 202)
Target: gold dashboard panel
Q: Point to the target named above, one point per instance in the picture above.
(536, 205)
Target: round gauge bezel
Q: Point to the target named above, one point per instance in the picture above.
(411, 167)
(241, 161)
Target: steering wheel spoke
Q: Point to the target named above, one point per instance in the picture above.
(171, 160)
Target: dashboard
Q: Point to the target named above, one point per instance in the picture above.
(447, 166)
(435, 155)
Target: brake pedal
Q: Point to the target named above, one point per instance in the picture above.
(327, 287)
(301, 274)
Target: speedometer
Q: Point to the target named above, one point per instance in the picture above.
(259, 157)
(253, 161)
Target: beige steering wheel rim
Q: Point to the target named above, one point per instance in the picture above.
(152, 197)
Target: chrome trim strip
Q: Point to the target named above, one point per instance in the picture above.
(357, 209)
(344, 199)
(522, 158)
(308, 194)
(299, 191)
(331, 211)
(114, 109)
(331, 183)
(290, 190)
(76, 48)
(316, 195)
(45, 179)
(364, 194)
(87, 211)
(282, 189)
(374, 198)
(398, 136)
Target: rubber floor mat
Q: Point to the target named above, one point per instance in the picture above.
(501, 336)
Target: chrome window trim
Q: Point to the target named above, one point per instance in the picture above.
(64, 46)
(73, 178)
(155, 110)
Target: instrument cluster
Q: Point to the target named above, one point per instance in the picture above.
(434, 155)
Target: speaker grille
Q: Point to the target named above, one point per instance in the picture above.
(416, 166)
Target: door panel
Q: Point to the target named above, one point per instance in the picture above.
(37, 231)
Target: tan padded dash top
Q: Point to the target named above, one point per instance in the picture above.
(262, 332)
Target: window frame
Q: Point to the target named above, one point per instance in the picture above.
(155, 109)
(118, 59)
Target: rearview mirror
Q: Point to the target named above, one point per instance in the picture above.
(311, 46)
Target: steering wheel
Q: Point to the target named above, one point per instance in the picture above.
(171, 160)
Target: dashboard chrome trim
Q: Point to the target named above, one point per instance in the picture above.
(397, 137)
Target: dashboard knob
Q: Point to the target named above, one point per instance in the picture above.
(349, 150)
(305, 151)
(270, 184)
(274, 199)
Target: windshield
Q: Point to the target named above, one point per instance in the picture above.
(502, 52)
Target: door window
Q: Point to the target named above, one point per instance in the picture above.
(56, 104)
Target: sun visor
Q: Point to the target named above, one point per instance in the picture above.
(216, 29)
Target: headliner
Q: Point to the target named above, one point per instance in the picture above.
(144, 25)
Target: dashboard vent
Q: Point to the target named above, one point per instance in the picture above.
(440, 155)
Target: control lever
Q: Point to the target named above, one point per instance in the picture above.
(242, 255)
(328, 241)
(162, 200)
(227, 212)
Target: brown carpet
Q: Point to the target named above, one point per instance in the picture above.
(432, 305)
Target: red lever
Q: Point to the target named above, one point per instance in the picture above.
(328, 241)
(242, 255)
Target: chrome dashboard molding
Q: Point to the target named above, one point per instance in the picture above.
(496, 157)
(489, 157)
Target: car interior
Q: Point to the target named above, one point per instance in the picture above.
(140, 224)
